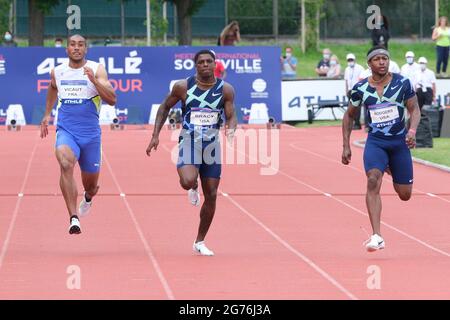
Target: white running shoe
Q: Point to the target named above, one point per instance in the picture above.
(83, 208)
(75, 227)
(201, 248)
(375, 243)
(194, 197)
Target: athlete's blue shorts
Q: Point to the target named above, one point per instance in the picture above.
(379, 153)
(204, 154)
(88, 151)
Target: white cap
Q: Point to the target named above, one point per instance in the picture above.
(409, 54)
(423, 60)
(351, 56)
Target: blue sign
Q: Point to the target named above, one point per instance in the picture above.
(142, 78)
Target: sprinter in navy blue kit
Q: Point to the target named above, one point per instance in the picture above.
(204, 99)
(386, 96)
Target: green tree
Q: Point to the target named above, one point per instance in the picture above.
(4, 14)
(312, 21)
(37, 9)
(185, 10)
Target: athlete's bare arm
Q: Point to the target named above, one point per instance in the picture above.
(178, 93)
(101, 83)
(414, 118)
(52, 95)
(347, 125)
(230, 112)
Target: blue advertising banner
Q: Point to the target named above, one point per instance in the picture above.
(142, 78)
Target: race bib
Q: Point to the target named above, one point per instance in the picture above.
(204, 117)
(73, 89)
(384, 114)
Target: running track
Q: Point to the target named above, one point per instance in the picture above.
(294, 235)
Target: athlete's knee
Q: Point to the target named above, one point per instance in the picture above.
(405, 195)
(373, 182)
(188, 183)
(66, 164)
(211, 196)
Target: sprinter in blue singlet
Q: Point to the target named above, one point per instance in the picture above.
(386, 97)
(79, 86)
(204, 99)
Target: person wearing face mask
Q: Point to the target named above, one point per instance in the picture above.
(288, 65)
(324, 64)
(58, 43)
(352, 76)
(410, 68)
(8, 40)
(425, 84)
(335, 68)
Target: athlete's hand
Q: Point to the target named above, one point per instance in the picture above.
(90, 74)
(411, 139)
(44, 126)
(152, 145)
(229, 133)
(346, 155)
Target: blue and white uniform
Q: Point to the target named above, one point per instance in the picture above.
(199, 143)
(386, 145)
(78, 115)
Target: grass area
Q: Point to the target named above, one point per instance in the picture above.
(440, 153)
(318, 123)
(307, 62)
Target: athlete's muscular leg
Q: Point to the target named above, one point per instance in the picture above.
(188, 176)
(67, 162)
(404, 191)
(90, 181)
(209, 186)
(373, 199)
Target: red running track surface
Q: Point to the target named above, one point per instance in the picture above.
(296, 234)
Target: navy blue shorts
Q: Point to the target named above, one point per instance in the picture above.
(205, 155)
(380, 153)
(88, 151)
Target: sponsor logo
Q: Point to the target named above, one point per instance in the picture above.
(259, 86)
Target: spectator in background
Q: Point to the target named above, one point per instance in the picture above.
(8, 40)
(410, 68)
(352, 76)
(58, 43)
(288, 65)
(380, 34)
(425, 82)
(393, 67)
(335, 68)
(324, 64)
(229, 35)
(441, 34)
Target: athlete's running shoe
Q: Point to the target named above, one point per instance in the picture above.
(194, 197)
(375, 243)
(75, 227)
(83, 208)
(201, 248)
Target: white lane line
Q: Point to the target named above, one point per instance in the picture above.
(148, 250)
